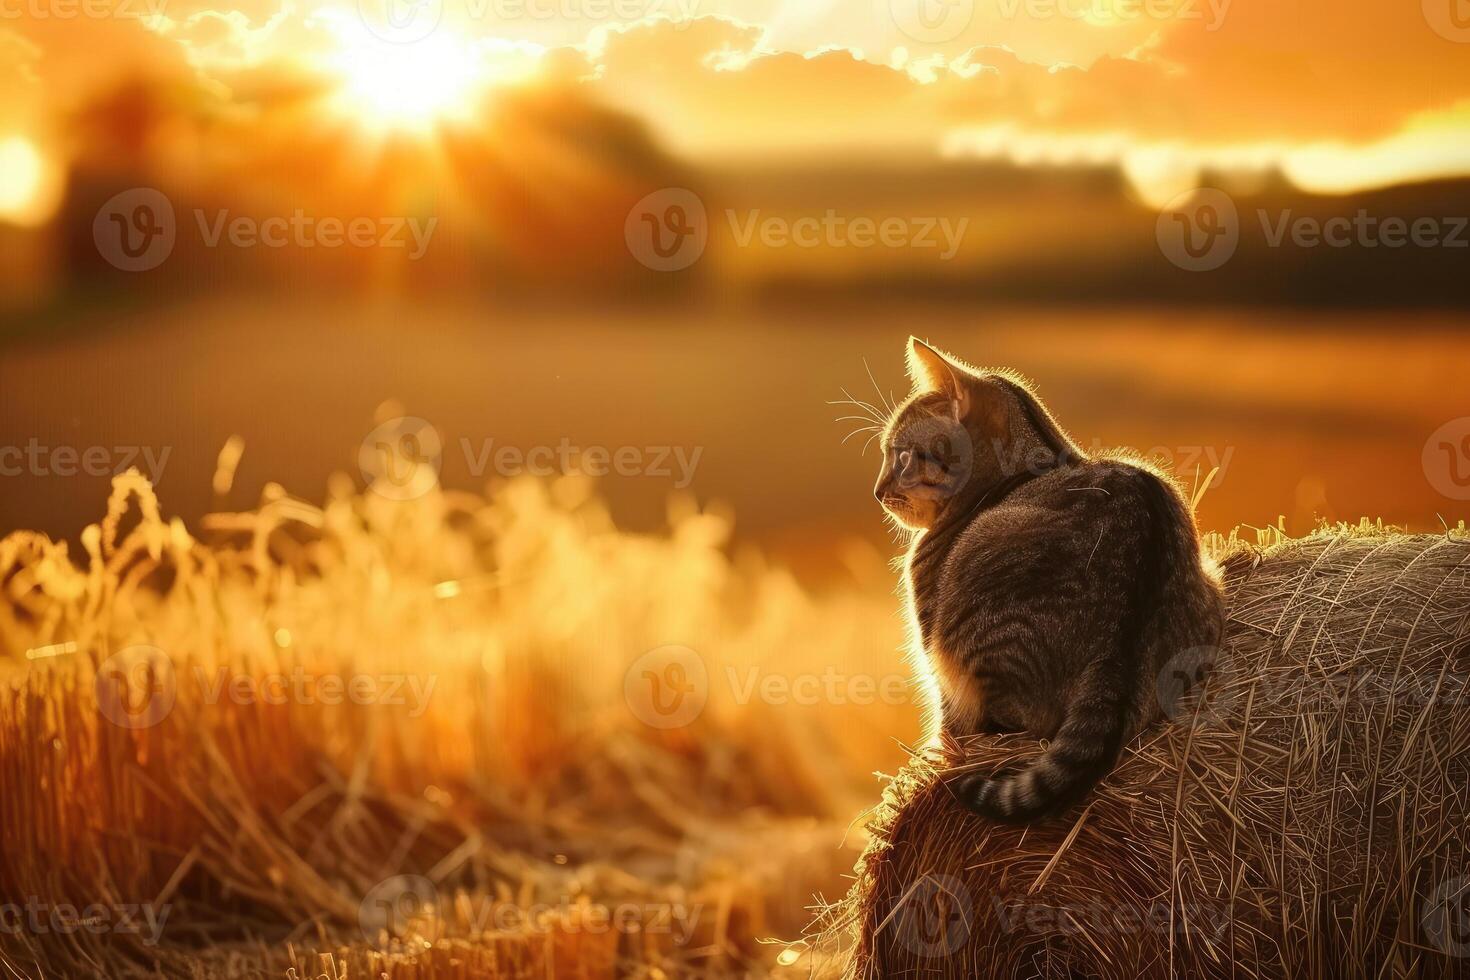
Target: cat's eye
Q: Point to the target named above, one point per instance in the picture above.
(904, 458)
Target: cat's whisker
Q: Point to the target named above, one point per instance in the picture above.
(866, 406)
(868, 416)
(862, 403)
(870, 441)
(889, 408)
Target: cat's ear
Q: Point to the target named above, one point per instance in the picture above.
(931, 370)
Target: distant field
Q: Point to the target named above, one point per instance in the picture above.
(1305, 414)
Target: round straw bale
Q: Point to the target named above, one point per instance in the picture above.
(1301, 812)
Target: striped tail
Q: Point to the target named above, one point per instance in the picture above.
(1083, 752)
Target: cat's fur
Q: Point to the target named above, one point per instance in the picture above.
(1049, 588)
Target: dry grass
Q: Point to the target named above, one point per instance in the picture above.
(519, 782)
(1305, 817)
(271, 837)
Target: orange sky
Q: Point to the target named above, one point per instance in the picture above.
(1340, 93)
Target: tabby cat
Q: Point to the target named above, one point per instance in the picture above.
(1049, 588)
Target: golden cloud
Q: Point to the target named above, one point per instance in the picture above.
(1158, 85)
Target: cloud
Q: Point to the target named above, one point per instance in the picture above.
(1255, 88)
(20, 83)
(215, 40)
(716, 86)
(1161, 86)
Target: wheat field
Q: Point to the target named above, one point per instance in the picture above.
(404, 737)
(457, 735)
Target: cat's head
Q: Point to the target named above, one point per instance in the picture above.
(951, 440)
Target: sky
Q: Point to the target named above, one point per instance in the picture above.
(1339, 94)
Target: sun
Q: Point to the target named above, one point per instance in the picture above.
(406, 87)
(30, 187)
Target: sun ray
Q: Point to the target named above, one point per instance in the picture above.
(405, 88)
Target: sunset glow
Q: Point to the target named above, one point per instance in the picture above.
(406, 87)
(23, 182)
(710, 489)
(1165, 89)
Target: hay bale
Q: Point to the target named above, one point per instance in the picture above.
(1303, 814)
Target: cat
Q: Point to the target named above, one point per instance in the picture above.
(1049, 588)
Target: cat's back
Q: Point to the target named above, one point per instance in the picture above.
(1058, 509)
(1066, 533)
